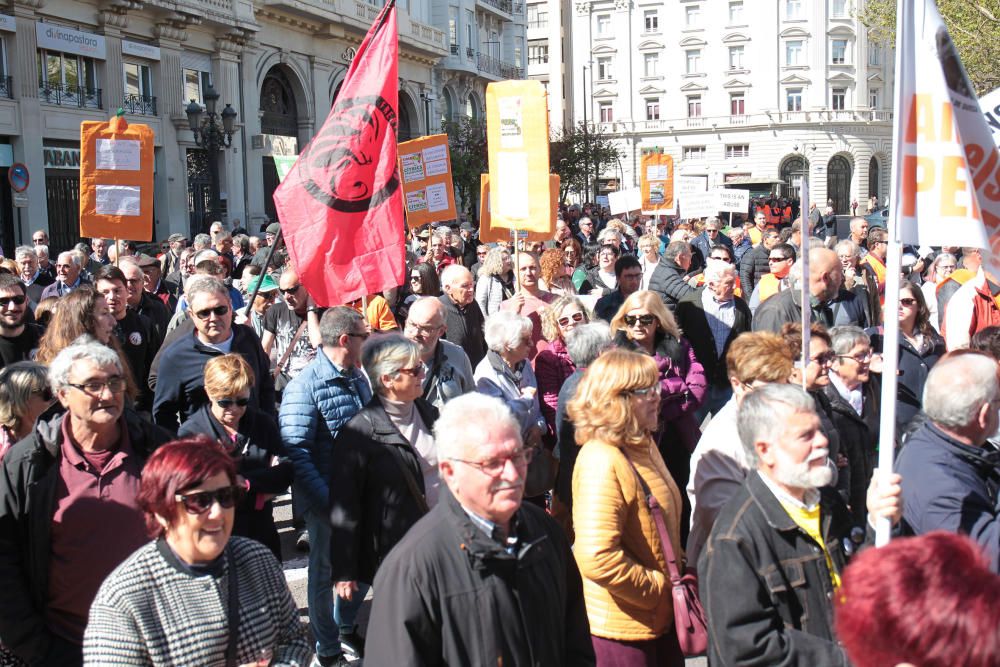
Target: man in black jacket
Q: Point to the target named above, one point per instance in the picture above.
(754, 263)
(464, 319)
(481, 579)
(68, 510)
(667, 279)
(773, 562)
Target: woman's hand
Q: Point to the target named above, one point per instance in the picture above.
(346, 589)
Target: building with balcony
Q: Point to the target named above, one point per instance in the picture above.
(549, 35)
(485, 44)
(279, 63)
(736, 91)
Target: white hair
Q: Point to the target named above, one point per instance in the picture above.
(469, 419)
(958, 387)
(716, 269)
(84, 347)
(451, 273)
(504, 330)
(763, 413)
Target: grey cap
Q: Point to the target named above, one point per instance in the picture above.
(173, 238)
(273, 228)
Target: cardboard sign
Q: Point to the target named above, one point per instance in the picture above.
(116, 180)
(625, 201)
(517, 127)
(737, 201)
(699, 205)
(489, 233)
(425, 173)
(657, 182)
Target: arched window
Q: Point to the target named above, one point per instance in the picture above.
(792, 170)
(873, 178)
(278, 104)
(838, 184)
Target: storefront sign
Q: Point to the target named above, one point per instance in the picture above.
(8, 23)
(67, 40)
(61, 158)
(147, 51)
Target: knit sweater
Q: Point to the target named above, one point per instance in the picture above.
(153, 611)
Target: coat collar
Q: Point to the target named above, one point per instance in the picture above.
(775, 514)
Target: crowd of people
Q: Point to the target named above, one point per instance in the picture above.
(516, 455)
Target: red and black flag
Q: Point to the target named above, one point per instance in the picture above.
(340, 205)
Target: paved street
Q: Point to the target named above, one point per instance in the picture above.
(295, 564)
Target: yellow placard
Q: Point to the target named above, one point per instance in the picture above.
(517, 127)
(488, 233)
(657, 182)
(116, 180)
(425, 173)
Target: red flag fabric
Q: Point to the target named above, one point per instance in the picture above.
(340, 206)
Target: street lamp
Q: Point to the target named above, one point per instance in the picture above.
(209, 135)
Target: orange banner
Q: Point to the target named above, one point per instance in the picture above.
(490, 234)
(657, 182)
(425, 170)
(116, 180)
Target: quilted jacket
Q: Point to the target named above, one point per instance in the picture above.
(618, 550)
(315, 405)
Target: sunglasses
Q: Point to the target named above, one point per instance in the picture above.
(290, 290)
(575, 317)
(778, 259)
(415, 278)
(230, 402)
(907, 301)
(653, 390)
(644, 320)
(205, 313)
(415, 371)
(202, 501)
(825, 359)
(16, 300)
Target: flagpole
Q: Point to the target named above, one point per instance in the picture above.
(806, 319)
(890, 311)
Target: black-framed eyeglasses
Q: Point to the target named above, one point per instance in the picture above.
(415, 278)
(861, 359)
(575, 317)
(290, 290)
(493, 467)
(96, 387)
(239, 401)
(415, 371)
(778, 259)
(205, 313)
(200, 502)
(824, 359)
(5, 301)
(644, 320)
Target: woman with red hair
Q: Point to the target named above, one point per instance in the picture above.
(194, 596)
(928, 601)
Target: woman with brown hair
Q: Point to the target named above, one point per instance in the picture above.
(622, 556)
(554, 273)
(644, 324)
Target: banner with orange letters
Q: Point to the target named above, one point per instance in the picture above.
(116, 180)
(425, 168)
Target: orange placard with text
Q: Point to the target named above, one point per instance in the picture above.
(116, 180)
(657, 182)
(425, 172)
(490, 234)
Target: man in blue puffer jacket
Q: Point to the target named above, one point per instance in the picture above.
(315, 405)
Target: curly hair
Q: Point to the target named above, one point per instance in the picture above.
(493, 262)
(552, 264)
(601, 409)
(550, 316)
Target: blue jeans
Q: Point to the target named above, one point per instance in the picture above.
(327, 616)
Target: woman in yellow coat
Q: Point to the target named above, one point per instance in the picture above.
(618, 550)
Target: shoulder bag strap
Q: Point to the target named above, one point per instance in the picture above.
(234, 610)
(291, 346)
(661, 526)
(411, 483)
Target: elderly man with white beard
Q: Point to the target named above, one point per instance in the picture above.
(773, 562)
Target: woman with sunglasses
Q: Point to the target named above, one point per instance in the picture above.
(621, 553)
(384, 468)
(553, 365)
(195, 595)
(251, 437)
(495, 280)
(644, 324)
(423, 281)
(920, 347)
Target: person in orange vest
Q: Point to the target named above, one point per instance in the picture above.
(874, 262)
(780, 260)
(377, 312)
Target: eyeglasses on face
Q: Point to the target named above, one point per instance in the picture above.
(493, 467)
(200, 502)
(642, 320)
(575, 317)
(290, 290)
(907, 301)
(5, 301)
(423, 329)
(239, 401)
(778, 259)
(645, 392)
(96, 387)
(860, 358)
(824, 359)
(415, 371)
(415, 278)
(205, 313)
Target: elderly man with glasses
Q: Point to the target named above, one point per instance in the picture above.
(68, 509)
(449, 371)
(482, 578)
(180, 389)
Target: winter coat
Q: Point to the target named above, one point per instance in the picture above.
(315, 405)
(618, 547)
(914, 365)
(786, 306)
(552, 367)
(693, 322)
(465, 328)
(668, 281)
(449, 374)
(495, 378)
(448, 594)
(489, 294)
(28, 484)
(371, 503)
(754, 265)
(858, 442)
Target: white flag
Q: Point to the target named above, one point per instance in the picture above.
(946, 163)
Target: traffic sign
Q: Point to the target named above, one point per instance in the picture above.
(18, 176)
